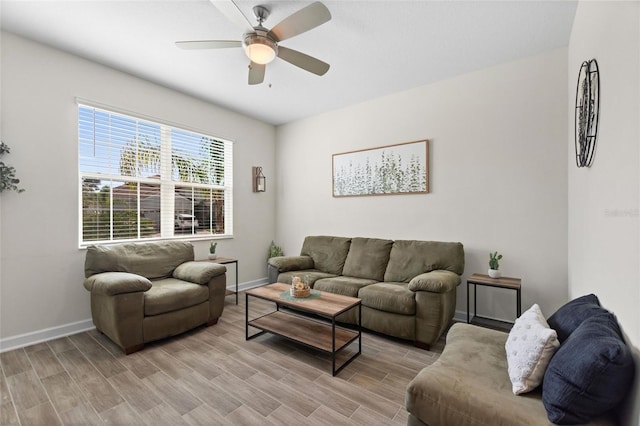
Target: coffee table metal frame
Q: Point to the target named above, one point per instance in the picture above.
(347, 336)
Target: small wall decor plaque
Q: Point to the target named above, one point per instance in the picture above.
(587, 112)
(392, 169)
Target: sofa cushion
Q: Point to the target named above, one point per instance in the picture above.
(310, 276)
(367, 258)
(566, 319)
(389, 323)
(328, 253)
(530, 346)
(411, 258)
(590, 374)
(389, 297)
(151, 260)
(171, 294)
(346, 286)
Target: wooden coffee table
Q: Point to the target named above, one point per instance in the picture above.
(314, 333)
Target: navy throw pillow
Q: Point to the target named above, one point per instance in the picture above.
(590, 374)
(566, 319)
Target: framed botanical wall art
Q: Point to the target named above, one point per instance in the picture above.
(386, 170)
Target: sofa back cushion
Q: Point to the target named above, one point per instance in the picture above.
(410, 258)
(328, 253)
(367, 258)
(151, 260)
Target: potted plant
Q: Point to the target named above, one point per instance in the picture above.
(275, 251)
(494, 264)
(212, 251)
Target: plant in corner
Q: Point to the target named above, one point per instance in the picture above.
(212, 251)
(8, 180)
(494, 264)
(275, 251)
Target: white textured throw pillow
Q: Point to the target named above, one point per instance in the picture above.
(530, 346)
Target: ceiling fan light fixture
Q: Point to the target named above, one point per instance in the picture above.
(260, 49)
(260, 44)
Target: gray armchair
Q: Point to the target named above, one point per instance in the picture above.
(141, 292)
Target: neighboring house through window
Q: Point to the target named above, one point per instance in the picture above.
(142, 180)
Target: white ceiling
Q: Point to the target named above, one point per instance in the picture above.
(374, 47)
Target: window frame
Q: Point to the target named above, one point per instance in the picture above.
(166, 184)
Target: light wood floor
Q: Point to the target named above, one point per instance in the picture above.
(210, 376)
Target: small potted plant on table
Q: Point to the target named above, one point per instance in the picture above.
(494, 265)
(212, 251)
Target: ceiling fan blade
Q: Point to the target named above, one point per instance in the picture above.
(233, 14)
(303, 20)
(300, 60)
(256, 73)
(208, 44)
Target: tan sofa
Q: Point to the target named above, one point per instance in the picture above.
(407, 287)
(142, 292)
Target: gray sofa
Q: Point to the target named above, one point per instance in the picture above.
(407, 287)
(142, 292)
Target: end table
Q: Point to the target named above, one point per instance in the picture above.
(224, 261)
(503, 282)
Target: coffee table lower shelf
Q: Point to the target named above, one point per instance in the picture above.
(309, 332)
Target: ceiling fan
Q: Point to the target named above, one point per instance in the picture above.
(262, 44)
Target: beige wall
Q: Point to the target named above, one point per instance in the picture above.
(498, 174)
(604, 200)
(41, 267)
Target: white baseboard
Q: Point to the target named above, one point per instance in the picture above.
(27, 339)
(249, 284)
(460, 316)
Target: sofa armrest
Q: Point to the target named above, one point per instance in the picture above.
(198, 272)
(112, 283)
(438, 281)
(291, 263)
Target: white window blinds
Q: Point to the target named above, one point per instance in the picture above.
(146, 180)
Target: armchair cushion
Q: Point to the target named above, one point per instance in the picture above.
(112, 283)
(198, 272)
(435, 281)
(151, 260)
(171, 294)
(291, 263)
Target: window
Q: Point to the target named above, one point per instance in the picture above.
(143, 180)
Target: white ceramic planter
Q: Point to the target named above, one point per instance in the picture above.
(494, 273)
(212, 256)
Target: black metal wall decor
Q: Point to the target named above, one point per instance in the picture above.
(587, 112)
